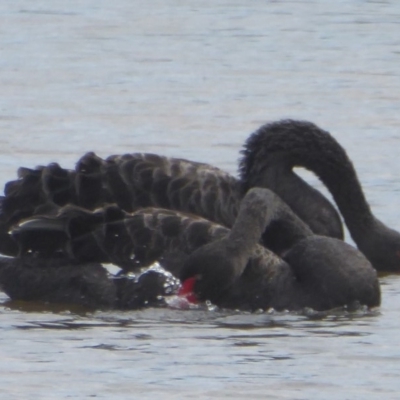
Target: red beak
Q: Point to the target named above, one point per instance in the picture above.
(187, 290)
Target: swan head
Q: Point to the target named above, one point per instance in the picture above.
(214, 267)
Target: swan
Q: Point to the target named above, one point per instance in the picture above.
(230, 267)
(134, 181)
(315, 271)
(273, 151)
(139, 180)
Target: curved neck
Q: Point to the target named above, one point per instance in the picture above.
(259, 208)
(288, 144)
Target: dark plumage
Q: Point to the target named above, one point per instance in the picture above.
(275, 149)
(56, 281)
(110, 235)
(316, 271)
(62, 281)
(134, 181)
(131, 181)
(236, 272)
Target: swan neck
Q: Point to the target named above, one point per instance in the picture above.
(259, 208)
(279, 147)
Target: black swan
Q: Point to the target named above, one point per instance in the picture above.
(316, 271)
(134, 181)
(141, 180)
(230, 267)
(268, 160)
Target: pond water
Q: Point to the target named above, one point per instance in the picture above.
(193, 80)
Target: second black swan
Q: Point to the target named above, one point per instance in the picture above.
(230, 268)
(279, 147)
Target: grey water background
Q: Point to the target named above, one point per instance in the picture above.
(193, 79)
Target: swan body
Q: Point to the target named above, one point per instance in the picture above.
(134, 181)
(54, 281)
(315, 271)
(231, 268)
(61, 281)
(275, 149)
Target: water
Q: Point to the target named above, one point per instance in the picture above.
(193, 79)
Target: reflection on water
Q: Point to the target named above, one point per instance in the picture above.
(193, 80)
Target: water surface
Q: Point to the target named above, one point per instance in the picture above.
(193, 79)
